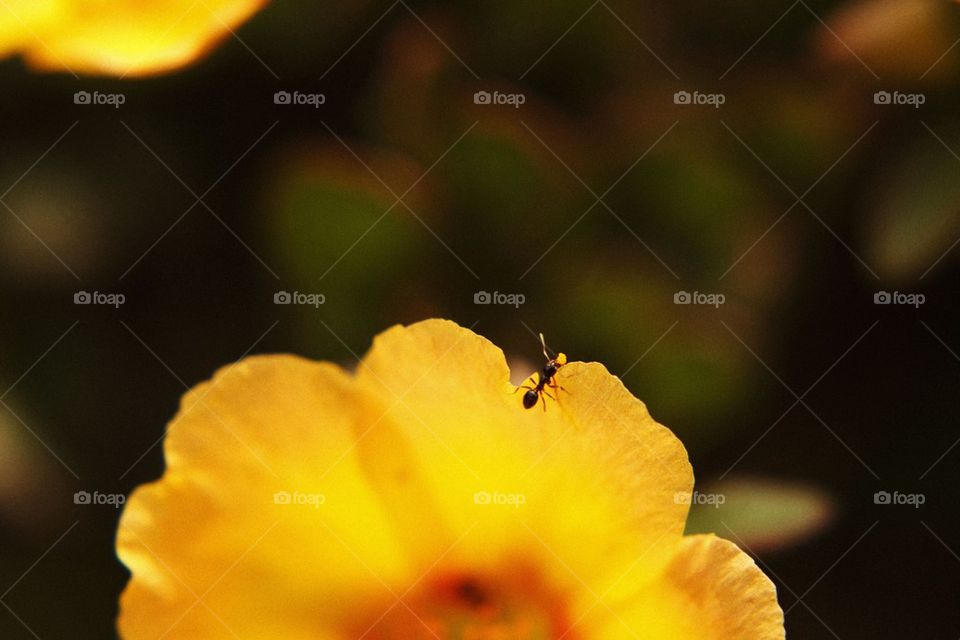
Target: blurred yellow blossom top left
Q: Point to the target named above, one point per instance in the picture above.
(117, 37)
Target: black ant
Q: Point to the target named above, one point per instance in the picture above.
(544, 379)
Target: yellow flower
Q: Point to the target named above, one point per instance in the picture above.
(117, 37)
(419, 499)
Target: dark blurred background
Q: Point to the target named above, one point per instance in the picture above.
(600, 199)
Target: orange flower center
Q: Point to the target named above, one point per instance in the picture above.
(471, 606)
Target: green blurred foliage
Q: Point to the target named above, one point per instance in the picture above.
(915, 211)
(332, 219)
(758, 513)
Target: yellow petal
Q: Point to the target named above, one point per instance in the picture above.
(20, 20)
(711, 590)
(582, 490)
(119, 38)
(210, 529)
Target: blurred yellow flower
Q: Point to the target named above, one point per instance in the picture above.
(117, 37)
(418, 499)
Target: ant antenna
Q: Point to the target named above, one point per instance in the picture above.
(544, 344)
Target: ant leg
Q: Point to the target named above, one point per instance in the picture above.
(529, 384)
(558, 387)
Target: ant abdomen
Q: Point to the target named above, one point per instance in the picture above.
(530, 399)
